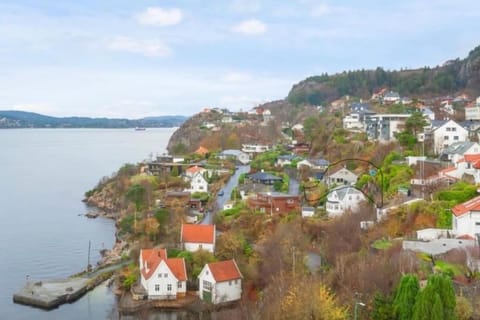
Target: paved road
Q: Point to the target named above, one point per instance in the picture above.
(227, 191)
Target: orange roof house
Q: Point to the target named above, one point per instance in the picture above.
(198, 236)
(220, 282)
(162, 277)
(202, 151)
(466, 218)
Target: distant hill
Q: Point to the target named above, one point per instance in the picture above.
(459, 75)
(22, 119)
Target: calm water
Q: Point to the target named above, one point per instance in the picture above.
(43, 176)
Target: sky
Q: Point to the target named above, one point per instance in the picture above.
(135, 58)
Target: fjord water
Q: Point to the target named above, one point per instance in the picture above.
(43, 233)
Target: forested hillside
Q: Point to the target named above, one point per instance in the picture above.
(453, 76)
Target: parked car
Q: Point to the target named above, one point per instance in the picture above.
(220, 193)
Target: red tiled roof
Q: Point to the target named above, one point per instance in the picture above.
(177, 266)
(201, 150)
(476, 164)
(472, 157)
(225, 270)
(466, 237)
(470, 205)
(199, 233)
(194, 169)
(153, 257)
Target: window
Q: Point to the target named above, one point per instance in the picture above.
(445, 138)
(230, 282)
(207, 285)
(159, 275)
(179, 285)
(455, 138)
(477, 223)
(236, 281)
(169, 287)
(157, 287)
(165, 275)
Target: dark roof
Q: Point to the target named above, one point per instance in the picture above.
(264, 176)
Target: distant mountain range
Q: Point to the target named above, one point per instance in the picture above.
(22, 119)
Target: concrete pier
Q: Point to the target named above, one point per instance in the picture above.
(52, 293)
(49, 294)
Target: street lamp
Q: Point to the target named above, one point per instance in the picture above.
(355, 311)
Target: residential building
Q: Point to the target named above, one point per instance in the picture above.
(342, 176)
(383, 127)
(274, 202)
(314, 164)
(285, 159)
(238, 155)
(254, 148)
(472, 112)
(264, 178)
(308, 212)
(444, 133)
(162, 277)
(466, 218)
(391, 97)
(198, 236)
(352, 122)
(220, 282)
(343, 198)
(458, 150)
(198, 183)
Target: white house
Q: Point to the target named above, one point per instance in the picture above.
(352, 121)
(198, 236)
(458, 150)
(238, 155)
(391, 97)
(447, 133)
(308, 212)
(343, 198)
(162, 277)
(220, 282)
(254, 148)
(466, 218)
(190, 172)
(341, 177)
(285, 159)
(314, 164)
(198, 183)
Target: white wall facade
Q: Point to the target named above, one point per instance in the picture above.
(468, 223)
(195, 246)
(472, 113)
(163, 284)
(221, 291)
(447, 134)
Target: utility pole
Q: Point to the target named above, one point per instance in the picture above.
(88, 260)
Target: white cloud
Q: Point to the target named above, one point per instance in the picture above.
(250, 27)
(235, 77)
(156, 16)
(152, 48)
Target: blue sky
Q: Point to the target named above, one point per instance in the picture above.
(134, 58)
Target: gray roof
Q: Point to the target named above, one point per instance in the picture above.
(231, 152)
(458, 147)
(264, 176)
(343, 191)
(319, 162)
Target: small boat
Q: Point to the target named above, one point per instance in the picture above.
(140, 129)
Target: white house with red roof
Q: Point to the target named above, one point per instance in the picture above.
(162, 277)
(198, 236)
(198, 183)
(220, 282)
(466, 219)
